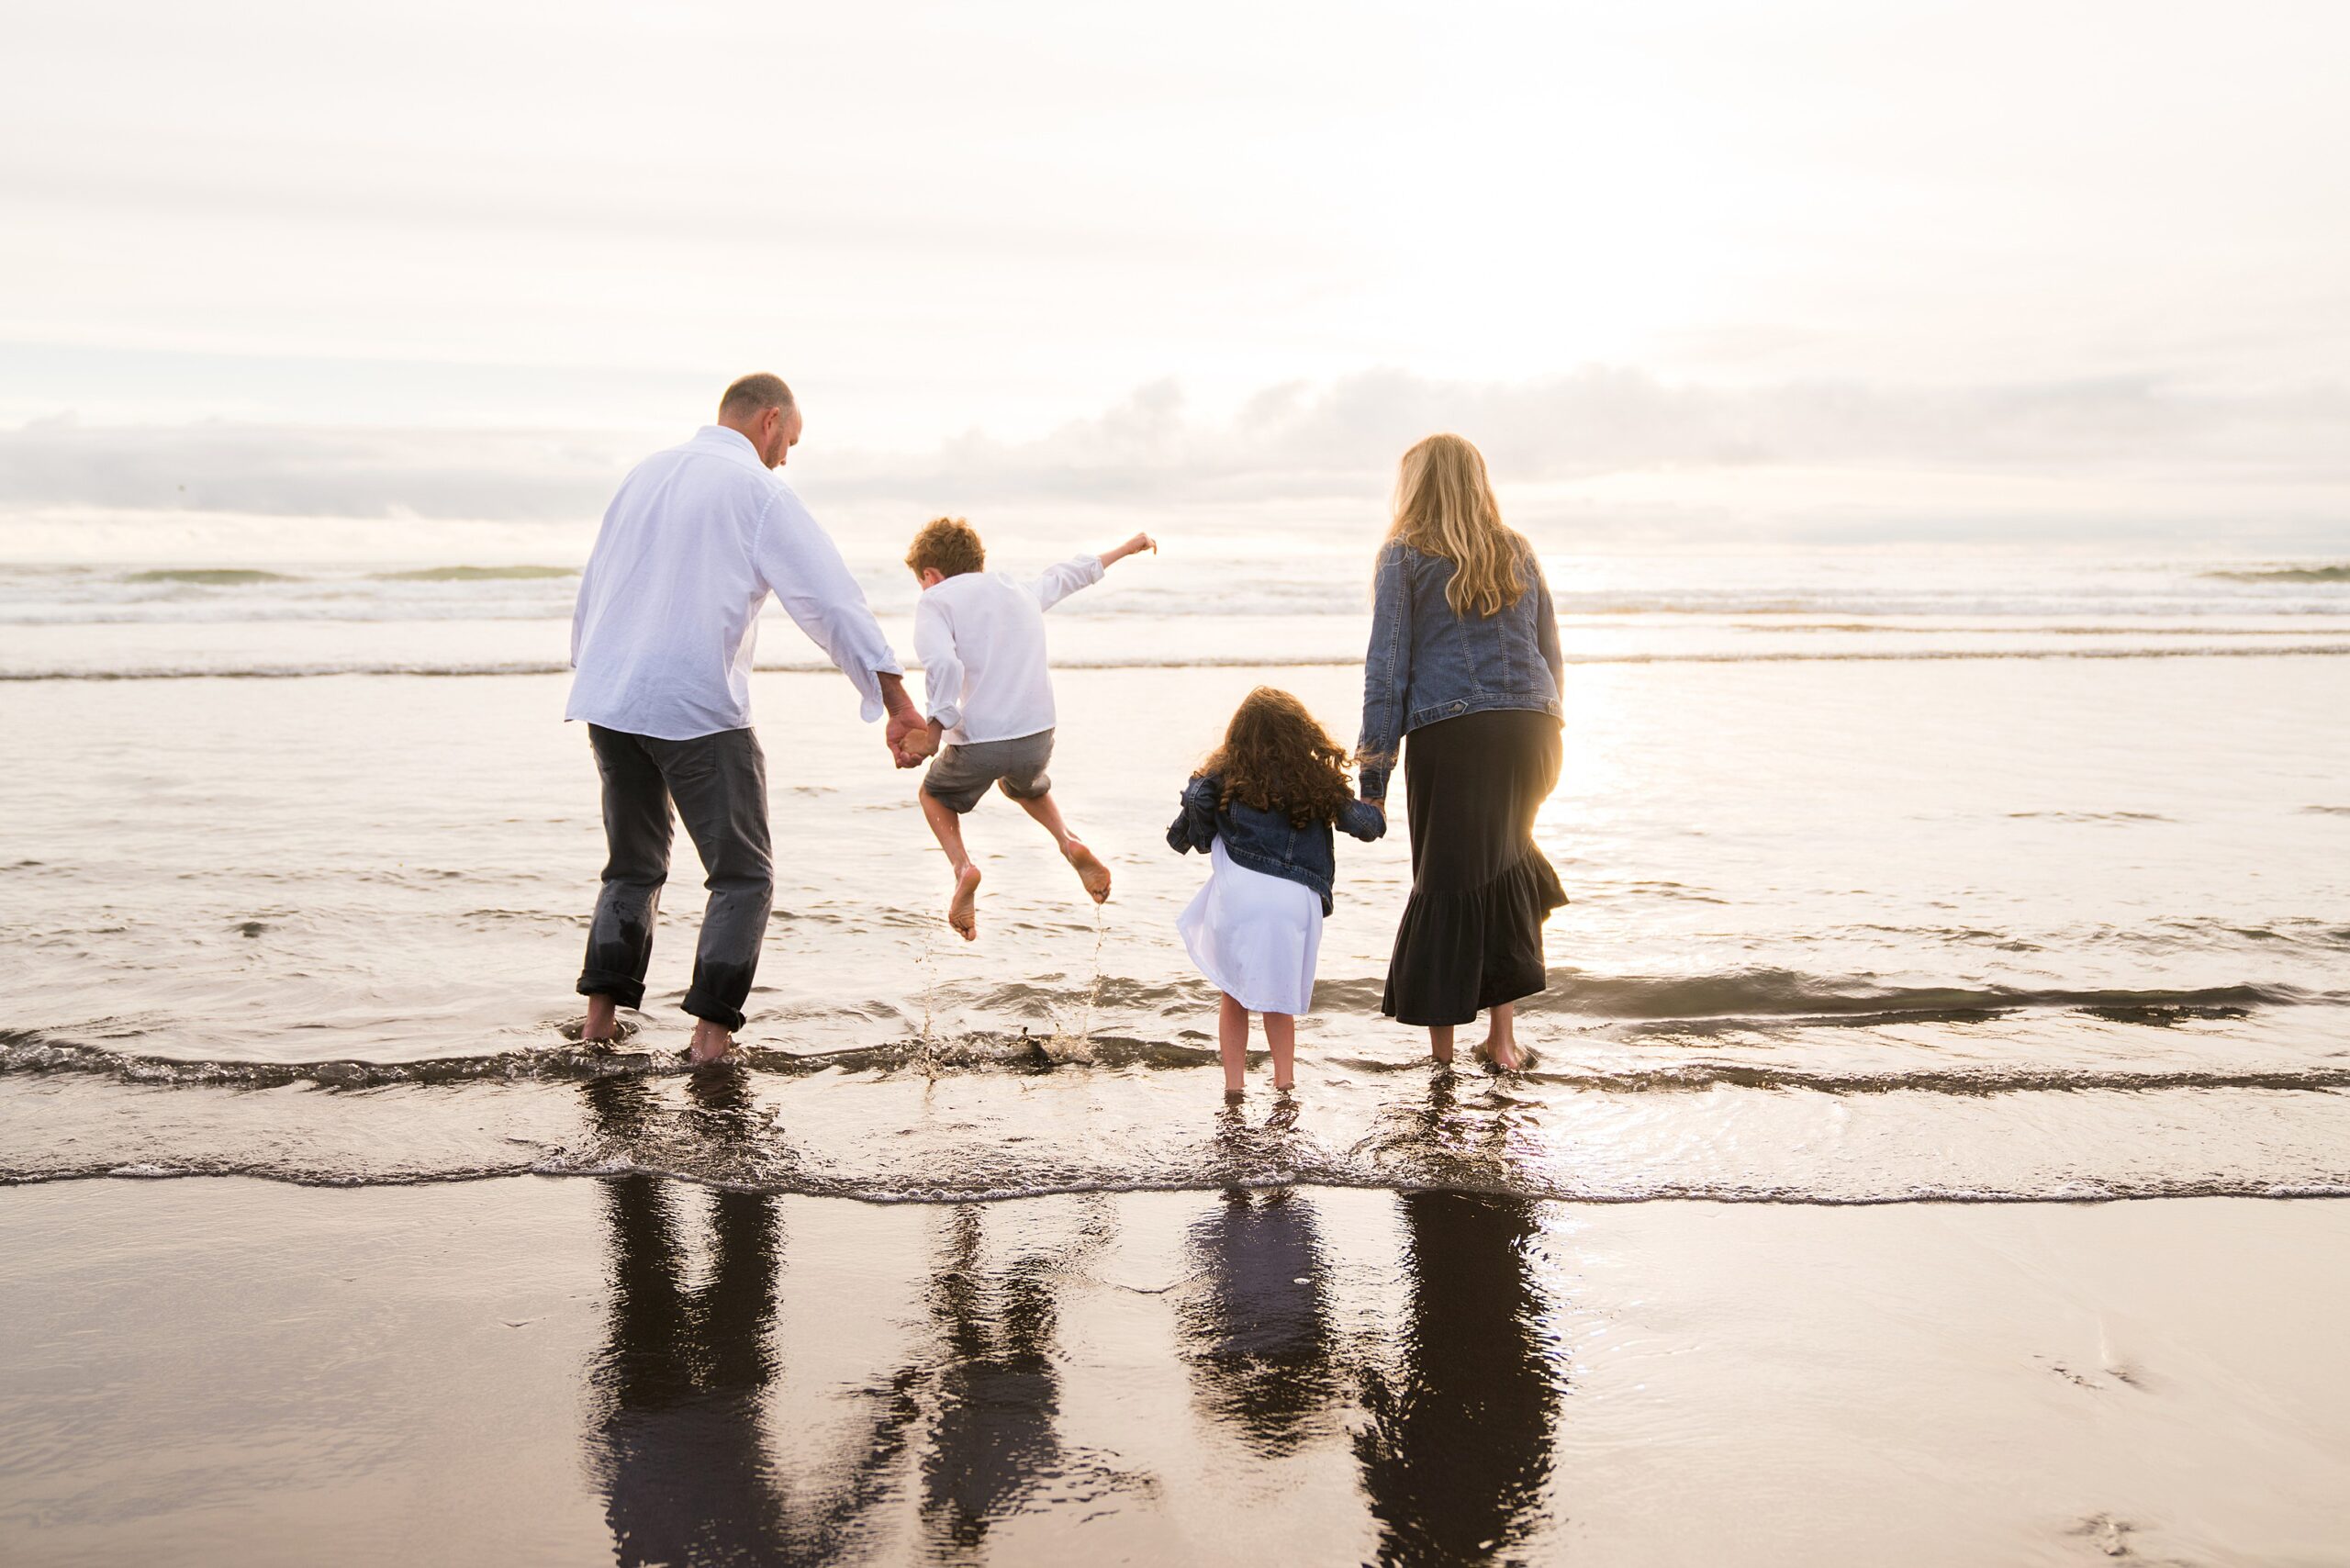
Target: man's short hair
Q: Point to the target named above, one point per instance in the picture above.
(948, 545)
(753, 393)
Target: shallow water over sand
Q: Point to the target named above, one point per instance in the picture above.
(2000, 925)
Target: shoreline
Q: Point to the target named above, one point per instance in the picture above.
(2312, 1194)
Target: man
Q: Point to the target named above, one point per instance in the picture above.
(662, 641)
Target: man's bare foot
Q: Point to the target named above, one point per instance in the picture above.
(1090, 871)
(963, 912)
(711, 1043)
(602, 1027)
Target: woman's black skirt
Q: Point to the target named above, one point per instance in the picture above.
(1471, 936)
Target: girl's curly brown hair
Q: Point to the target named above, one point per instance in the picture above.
(1276, 758)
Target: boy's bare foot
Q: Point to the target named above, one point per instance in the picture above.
(963, 912)
(711, 1042)
(1090, 871)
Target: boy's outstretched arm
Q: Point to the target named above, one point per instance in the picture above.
(1059, 582)
(1135, 546)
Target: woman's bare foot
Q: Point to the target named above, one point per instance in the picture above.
(1502, 1055)
(963, 911)
(1090, 871)
(1440, 1044)
(1500, 1048)
(711, 1043)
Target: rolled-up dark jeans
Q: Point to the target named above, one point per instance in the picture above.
(719, 783)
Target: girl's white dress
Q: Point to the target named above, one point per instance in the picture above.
(1255, 937)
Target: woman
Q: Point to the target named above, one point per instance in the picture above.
(1464, 660)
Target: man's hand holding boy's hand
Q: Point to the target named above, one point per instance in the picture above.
(908, 737)
(904, 732)
(1135, 546)
(920, 745)
(917, 747)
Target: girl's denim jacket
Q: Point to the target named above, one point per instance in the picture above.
(1425, 664)
(1267, 841)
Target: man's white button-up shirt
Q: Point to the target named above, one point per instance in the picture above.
(667, 619)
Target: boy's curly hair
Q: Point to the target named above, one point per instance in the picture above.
(949, 544)
(1276, 758)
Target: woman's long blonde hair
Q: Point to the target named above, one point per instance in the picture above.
(1445, 506)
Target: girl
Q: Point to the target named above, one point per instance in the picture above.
(1261, 807)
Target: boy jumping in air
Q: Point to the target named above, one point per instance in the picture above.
(988, 696)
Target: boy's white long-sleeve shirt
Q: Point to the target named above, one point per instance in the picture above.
(980, 638)
(668, 611)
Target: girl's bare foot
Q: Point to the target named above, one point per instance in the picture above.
(963, 912)
(1090, 871)
(711, 1042)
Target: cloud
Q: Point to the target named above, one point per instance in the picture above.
(1299, 439)
(1339, 439)
(297, 471)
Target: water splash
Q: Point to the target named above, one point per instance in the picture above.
(1067, 1045)
(926, 1050)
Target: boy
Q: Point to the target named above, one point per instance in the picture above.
(980, 638)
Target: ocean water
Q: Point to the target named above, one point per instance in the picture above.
(1895, 877)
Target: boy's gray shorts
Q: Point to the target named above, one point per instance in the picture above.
(961, 774)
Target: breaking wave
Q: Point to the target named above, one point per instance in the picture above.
(2339, 573)
(476, 669)
(477, 574)
(1785, 995)
(210, 576)
(34, 1053)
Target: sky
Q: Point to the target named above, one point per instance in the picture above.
(1691, 269)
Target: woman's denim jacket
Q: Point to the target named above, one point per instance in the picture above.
(1267, 841)
(1425, 664)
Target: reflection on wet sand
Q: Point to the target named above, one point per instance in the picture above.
(995, 1391)
(1258, 1339)
(1447, 1409)
(676, 1445)
(1458, 1442)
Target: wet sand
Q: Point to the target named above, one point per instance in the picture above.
(634, 1369)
